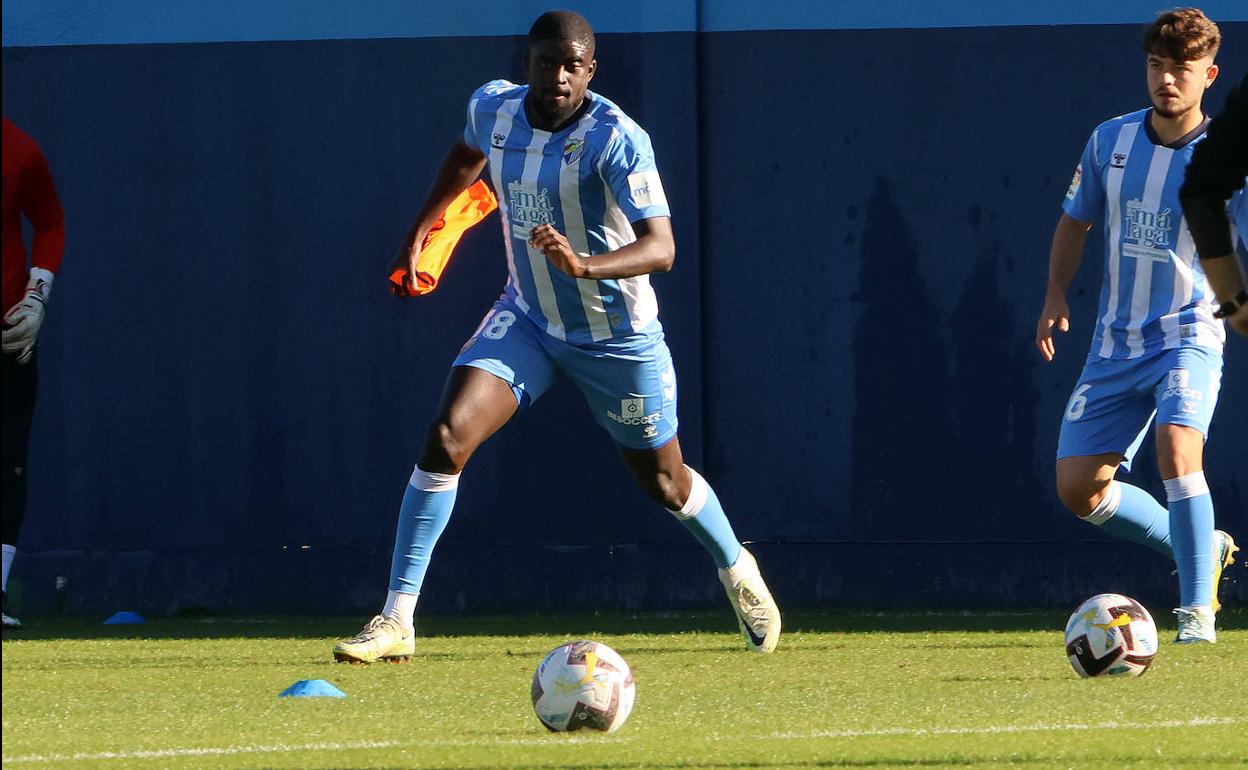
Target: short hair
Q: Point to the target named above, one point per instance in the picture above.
(1182, 34)
(563, 25)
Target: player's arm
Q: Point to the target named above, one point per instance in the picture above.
(1218, 168)
(41, 205)
(460, 168)
(1064, 257)
(654, 251)
(1226, 278)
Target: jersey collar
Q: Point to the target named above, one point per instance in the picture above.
(1179, 143)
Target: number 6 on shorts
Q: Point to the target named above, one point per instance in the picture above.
(1078, 401)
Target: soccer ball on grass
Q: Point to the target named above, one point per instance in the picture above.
(1111, 635)
(583, 685)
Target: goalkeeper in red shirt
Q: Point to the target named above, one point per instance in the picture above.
(28, 191)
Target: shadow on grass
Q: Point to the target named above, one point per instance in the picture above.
(579, 625)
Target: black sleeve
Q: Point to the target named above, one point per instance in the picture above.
(1219, 165)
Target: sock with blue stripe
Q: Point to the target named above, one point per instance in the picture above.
(1130, 513)
(426, 509)
(1191, 530)
(705, 518)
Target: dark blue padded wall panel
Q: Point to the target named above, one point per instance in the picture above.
(876, 243)
(862, 219)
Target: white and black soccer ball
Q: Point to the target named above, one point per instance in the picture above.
(583, 685)
(1111, 635)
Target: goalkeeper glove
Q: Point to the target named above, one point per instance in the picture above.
(23, 321)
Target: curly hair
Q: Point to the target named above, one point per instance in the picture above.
(1182, 34)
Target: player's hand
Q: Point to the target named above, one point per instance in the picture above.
(1239, 321)
(557, 250)
(405, 261)
(22, 324)
(1056, 315)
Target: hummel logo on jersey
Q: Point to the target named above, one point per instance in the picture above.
(499, 140)
(1119, 161)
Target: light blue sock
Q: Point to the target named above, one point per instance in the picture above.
(425, 511)
(1130, 513)
(1191, 528)
(704, 517)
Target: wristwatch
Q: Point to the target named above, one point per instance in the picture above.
(1232, 306)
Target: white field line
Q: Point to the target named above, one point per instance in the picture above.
(1004, 729)
(545, 741)
(286, 749)
(206, 752)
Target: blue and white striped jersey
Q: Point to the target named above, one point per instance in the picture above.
(1154, 295)
(591, 180)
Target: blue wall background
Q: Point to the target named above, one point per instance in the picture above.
(231, 403)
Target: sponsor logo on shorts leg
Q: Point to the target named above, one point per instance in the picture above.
(633, 412)
(1177, 387)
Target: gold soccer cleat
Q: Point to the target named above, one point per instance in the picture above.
(1224, 549)
(382, 639)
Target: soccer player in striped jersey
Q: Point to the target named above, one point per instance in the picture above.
(585, 221)
(1157, 347)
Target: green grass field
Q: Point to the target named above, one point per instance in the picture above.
(843, 690)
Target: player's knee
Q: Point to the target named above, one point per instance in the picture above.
(664, 489)
(1180, 450)
(1080, 496)
(1175, 461)
(444, 451)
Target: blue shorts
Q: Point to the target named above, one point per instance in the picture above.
(630, 386)
(1116, 399)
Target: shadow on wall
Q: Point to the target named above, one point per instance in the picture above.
(983, 412)
(902, 391)
(995, 399)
